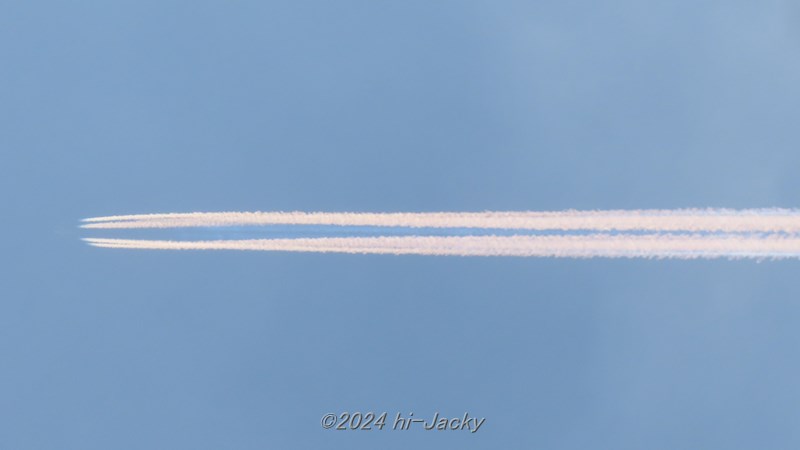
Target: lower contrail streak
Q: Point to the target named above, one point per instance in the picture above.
(611, 246)
(682, 234)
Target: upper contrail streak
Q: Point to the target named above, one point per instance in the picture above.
(681, 233)
(694, 220)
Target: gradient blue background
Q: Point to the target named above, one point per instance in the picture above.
(156, 106)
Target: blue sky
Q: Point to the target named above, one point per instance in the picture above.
(131, 107)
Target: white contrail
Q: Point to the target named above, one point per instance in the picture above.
(685, 220)
(575, 246)
(679, 233)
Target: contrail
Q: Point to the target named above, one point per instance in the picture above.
(684, 220)
(584, 246)
(679, 233)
